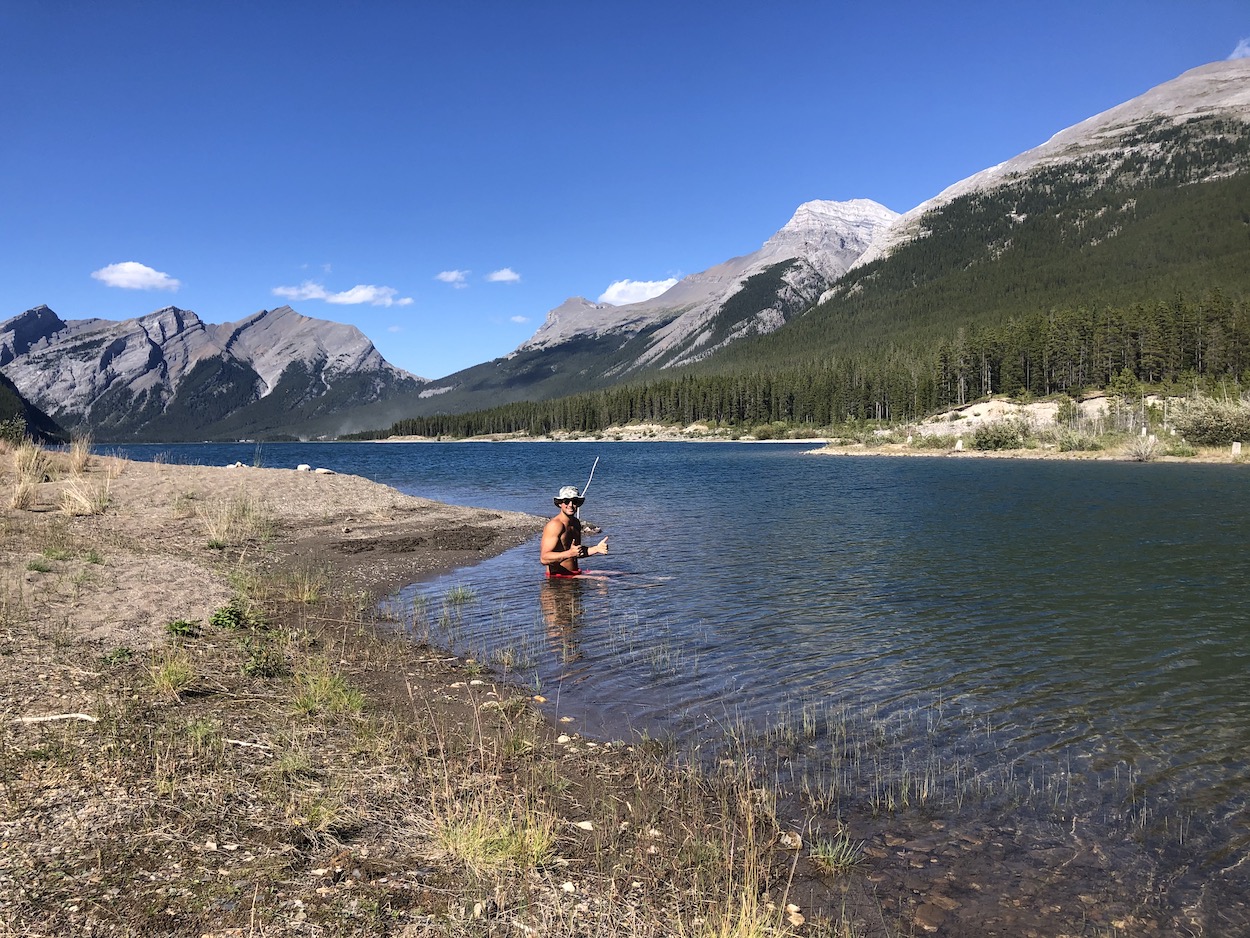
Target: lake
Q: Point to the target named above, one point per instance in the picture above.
(1050, 638)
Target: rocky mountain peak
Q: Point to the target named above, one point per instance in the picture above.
(105, 373)
(24, 331)
(827, 235)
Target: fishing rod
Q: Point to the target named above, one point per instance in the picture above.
(587, 486)
(592, 475)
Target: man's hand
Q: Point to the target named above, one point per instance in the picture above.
(600, 548)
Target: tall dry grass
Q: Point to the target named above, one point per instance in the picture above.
(234, 519)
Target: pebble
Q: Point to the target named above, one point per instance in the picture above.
(930, 917)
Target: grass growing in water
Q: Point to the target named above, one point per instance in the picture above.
(838, 855)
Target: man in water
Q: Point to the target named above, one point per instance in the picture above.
(562, 537)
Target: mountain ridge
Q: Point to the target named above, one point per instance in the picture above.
(585, 344)
(1211, 89)
(123, 378)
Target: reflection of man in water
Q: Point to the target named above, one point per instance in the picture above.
(561, 602)
(562, 537)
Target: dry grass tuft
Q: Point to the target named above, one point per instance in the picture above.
(80, 497)
(171, 672)
(234, 520)
(31, 461)
(79, 455)
(25, 495)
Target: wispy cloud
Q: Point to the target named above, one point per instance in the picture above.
(519, 319)
(456, 278)
(1242, 51)
(308, 290)
(503, 275)
(131, 275)
(358, 295)
(634, 291)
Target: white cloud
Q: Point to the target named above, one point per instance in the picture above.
(504, 275)
(519, 319)
(308, 290)
(1242, 51)
(368, 293)
(634, 291)
(131, 275)
(356, 296)
(454, 277)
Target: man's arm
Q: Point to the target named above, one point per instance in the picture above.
(550, 551)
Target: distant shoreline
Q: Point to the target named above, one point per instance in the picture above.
(955, 424)
(823, 447)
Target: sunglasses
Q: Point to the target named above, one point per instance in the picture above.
(570, 501)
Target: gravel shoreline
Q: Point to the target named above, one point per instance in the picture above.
(156, 540)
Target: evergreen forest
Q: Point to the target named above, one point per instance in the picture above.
(1182, 345)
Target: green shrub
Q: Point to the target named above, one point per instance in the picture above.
(1074, 441)
(1001, 434)
(262, 657)
(118, 656)
(183, 628)
(1144, 449)
(234, 615)
(934, 441)
(1210, 422)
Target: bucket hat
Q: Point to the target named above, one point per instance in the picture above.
(566, 493)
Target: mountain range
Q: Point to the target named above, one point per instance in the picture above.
(170, 376)
(1142, 201)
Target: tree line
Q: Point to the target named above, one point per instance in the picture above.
(1180, 343)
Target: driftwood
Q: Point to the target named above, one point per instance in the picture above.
(240, 742)
(58, 716)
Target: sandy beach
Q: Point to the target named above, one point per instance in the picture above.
(159, 519)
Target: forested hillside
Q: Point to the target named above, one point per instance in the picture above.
(19, 418)
(1114, 230)
(1135, 259)
(1178, 344)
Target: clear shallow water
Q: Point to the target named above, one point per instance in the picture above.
(1080, 631)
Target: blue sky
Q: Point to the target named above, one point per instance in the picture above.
(442, 174)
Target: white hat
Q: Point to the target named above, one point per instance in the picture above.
(566, 493)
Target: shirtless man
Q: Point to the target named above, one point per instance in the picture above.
(562, 537)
